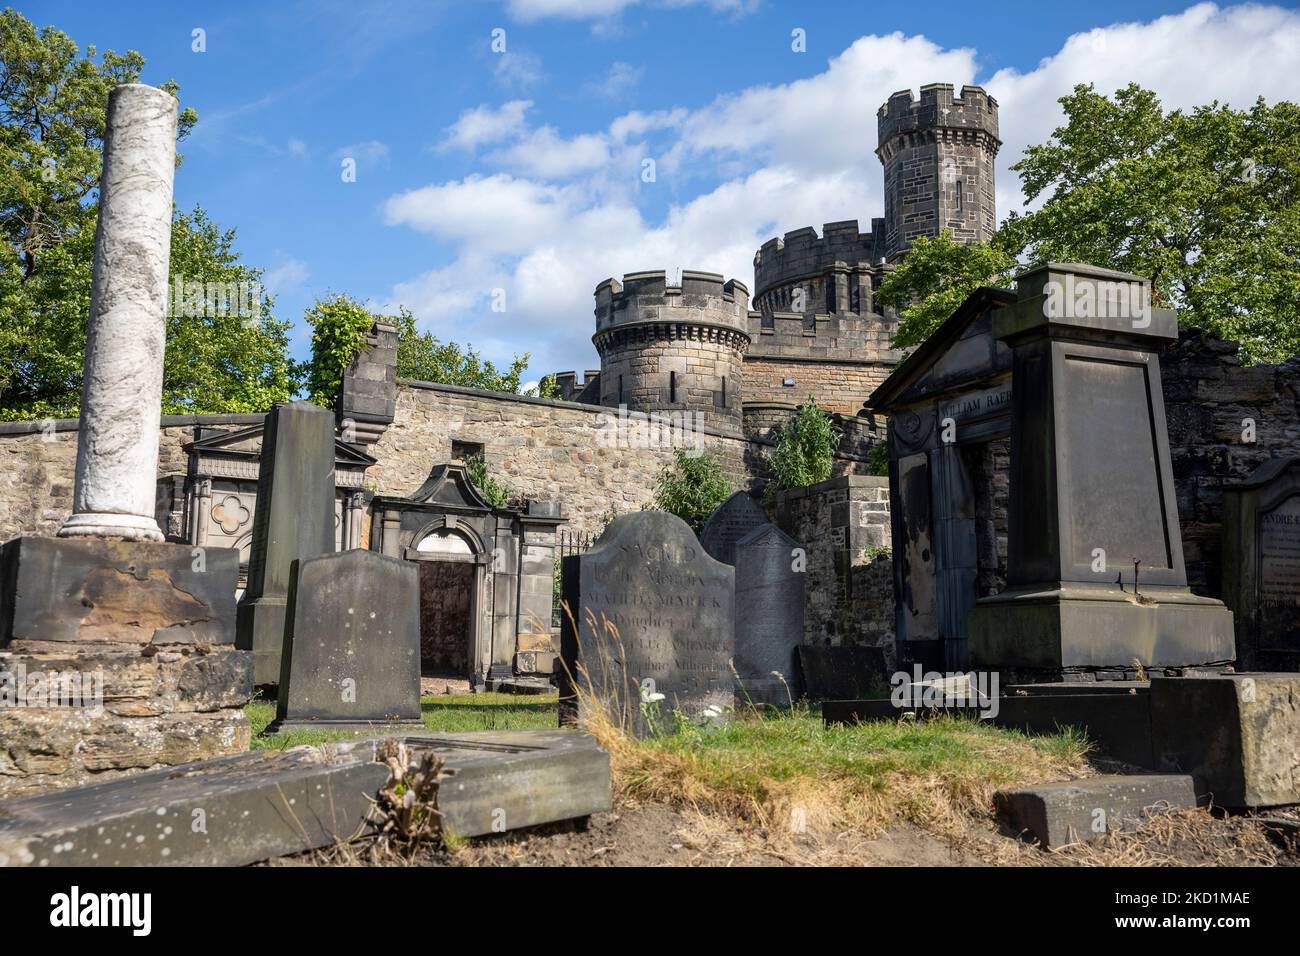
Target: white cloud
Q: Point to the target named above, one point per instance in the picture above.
(518, 71)
(762, 161)
(289, 274)
(617, 82)
(483, 124)
(370, 152)
(547, 155)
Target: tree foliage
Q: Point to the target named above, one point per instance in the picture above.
(691, 487)
(935, 277)
(421, 356)
(53, 102)
(1206, 204)
(805, 448)
(495, 493)
(339, 325)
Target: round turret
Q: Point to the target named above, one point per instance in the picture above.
(673, 347)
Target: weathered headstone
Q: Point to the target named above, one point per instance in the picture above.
(353, 659)
(294, 519)
(648, 613)
(1092, 490)
(770, 576)
(730, 521)
(1261, 565)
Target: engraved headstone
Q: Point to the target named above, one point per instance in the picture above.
(730, 521)
(353, 660)
(1261, 565)
(294, 518)
(770, 579)
(649, 613)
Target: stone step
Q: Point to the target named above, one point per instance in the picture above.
(1057, 814)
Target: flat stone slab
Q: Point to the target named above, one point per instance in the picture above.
(138, 592)
(238, 810)
(1238, 735)
(1058, 814)
(840, 673)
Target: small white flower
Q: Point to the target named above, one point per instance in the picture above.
(652, 698)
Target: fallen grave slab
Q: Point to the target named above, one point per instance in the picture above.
(249, 807)
(1058, 814)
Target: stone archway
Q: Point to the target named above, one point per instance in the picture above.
(450, 577)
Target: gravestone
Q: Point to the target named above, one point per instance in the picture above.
(294, 518)
(353, 658)
(650, 612)
(730, 521)
(1261, 565)
(770, 576)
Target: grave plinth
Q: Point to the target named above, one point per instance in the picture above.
(1261, 564)
(1092, 490)
(352, 661)
(294, 519)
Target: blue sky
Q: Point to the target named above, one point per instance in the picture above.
(479, 170)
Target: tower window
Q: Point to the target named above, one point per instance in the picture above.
(672, 387)
(959, 198)
(620, 391)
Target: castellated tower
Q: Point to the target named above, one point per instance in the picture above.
(665, 347)
(938, 156)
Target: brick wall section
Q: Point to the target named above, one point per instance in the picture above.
(844, 525)
(1208, 396)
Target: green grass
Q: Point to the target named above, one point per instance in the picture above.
(932, 772)
(445, 713)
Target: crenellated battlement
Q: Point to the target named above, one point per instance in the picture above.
(937, 108)
(804, 259)
(700, 298)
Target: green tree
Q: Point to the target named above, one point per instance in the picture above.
(421, 356)
(1206, 204)
(691, 487)
(52, 106)
(935, 277)
(805, 449)
(339, 325)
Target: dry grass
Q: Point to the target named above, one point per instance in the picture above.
(1189, 837)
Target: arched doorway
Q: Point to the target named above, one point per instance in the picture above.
(449, 581)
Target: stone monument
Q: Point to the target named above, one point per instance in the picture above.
(294, 519)
(648, 613)
(117, 648)
(730, 521)
(1261, 565)
(352, 661)
(1096, 583)
(770, 578)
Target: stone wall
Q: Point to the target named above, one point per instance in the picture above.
(544, 449)
(38, 467)
(839, 386)
(843, 524)
(1210, 401)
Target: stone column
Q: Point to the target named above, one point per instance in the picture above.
(117, 444)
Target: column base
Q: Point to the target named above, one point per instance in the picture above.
(1052, 629)
(93, 524)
